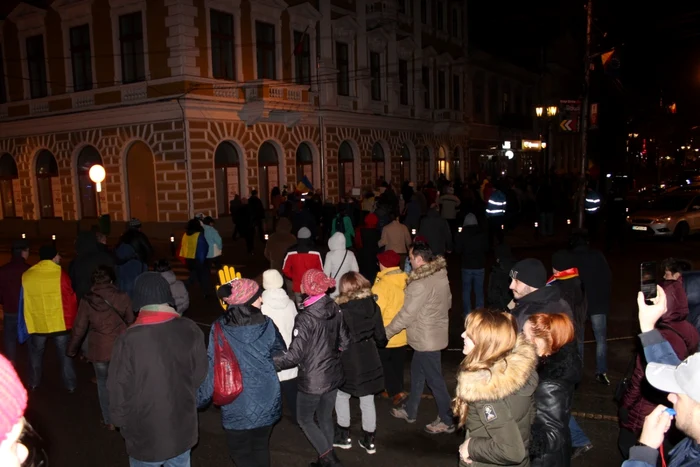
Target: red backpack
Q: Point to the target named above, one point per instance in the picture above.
(228, 379)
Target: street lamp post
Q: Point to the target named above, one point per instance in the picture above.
(551, 112)
(97, 174)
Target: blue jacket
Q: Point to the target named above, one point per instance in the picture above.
(260, 403)
(687, 452)
(128, 268)
(211, 235)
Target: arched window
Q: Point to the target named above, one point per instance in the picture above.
(442, 167)
(378, 163)
(86, 188)
(405, 172)
(268, 171)
(227, 172)
(47, 181)
(8, 175)
(346, 168)
(424, 166)
(305, 163)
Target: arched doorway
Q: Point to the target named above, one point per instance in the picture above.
(141, 180)
(424, 166)
(442, 167)
(48, 185)
(268, 171)
(305, 163)
(227, 172)
(346, 168)
(377, 164)
(405, 172)
(8, 175)
(87, 191)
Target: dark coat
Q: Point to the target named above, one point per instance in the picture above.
(139, 242)
(363, 369)
(319, 336)
(472, 244)
(154, 375)
(89, 256)
(367, 255)
(105, 323)
(550, 438)
(546, 300)
(571, 291)
(499, 294)
(11, 283)
(596, 276)
(641, 398)
(254, 344)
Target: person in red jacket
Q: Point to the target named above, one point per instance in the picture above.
(640, 398)
(299, 259)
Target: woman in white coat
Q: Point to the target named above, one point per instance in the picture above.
(281, 310)
(339, 260)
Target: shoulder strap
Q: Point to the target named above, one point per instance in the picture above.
(665, 326)
(341, 264)
(109, 305)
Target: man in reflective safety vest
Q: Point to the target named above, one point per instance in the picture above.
(591, 205)
(495, 214)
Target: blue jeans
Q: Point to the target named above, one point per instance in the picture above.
(578, 437)
(427, 367)
(10, 336)
(600, 331)
(37, 345)
(475, 278)
(101, 370)
(183, 460)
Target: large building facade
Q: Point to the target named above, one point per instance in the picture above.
(188, 102)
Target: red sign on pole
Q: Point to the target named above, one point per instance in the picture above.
(594, 116)
(570, 111)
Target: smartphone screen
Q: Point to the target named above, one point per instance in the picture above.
(647, 272)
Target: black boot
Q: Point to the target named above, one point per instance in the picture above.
(367, 442)
(342, 439)
(329, 460)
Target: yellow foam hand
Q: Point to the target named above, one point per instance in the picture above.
(226, 275)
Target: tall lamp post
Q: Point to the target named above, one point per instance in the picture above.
(551, 113)
(97, 175)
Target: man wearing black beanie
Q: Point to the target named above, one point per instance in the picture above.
(532, 295)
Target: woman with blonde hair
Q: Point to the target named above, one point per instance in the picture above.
(495, 391)
(559, 371)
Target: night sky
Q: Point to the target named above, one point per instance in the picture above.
(659, 42)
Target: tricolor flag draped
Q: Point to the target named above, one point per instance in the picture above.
(304, 185)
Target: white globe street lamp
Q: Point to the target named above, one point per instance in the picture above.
(97, 174)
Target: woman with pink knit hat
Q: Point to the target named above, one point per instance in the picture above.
(318, 338)
(13, 402)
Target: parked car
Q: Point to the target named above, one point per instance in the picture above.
(676, 214)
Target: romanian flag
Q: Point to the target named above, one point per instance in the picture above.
(193, 247)
(304, 185)
(611, 62)
(563, 275)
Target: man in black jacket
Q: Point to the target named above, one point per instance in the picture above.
(532, 295)
(156, 368)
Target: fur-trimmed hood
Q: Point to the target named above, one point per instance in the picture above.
(357, 295)
(507, 376)
(437, 264)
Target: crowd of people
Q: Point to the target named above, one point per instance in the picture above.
(323, 330)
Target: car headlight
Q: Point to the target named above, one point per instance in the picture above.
(662, 220)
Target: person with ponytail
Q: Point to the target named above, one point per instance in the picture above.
(496, 384)
(559, 371)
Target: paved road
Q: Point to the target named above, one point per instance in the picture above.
(70, 423)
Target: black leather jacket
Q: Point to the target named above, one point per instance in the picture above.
(550, 438)
(319, 335)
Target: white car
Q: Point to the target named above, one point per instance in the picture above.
(676, 214)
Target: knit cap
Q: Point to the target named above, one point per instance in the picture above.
(272, 279)
(134, 223)
(470, 219)
(13, 398)
(151, 288)
(389, 259)
(315, 282)
(531, 272)
(240, 292)
(304, 233)
(47, 252)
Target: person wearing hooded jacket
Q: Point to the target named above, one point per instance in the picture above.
(641, 398)
(177, 287)
(361, 365)
(319, 337)
(339, 260)
(282, 311)
(300, 258)
(254, 339)
(104, 313)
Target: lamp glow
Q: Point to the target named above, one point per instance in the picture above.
(97, 174)
(552, 110)
(543, 145)
(539, 111)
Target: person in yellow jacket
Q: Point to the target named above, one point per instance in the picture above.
(47, 308)
(389, 288)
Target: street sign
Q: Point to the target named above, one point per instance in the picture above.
(594, 116)
(570, 112)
